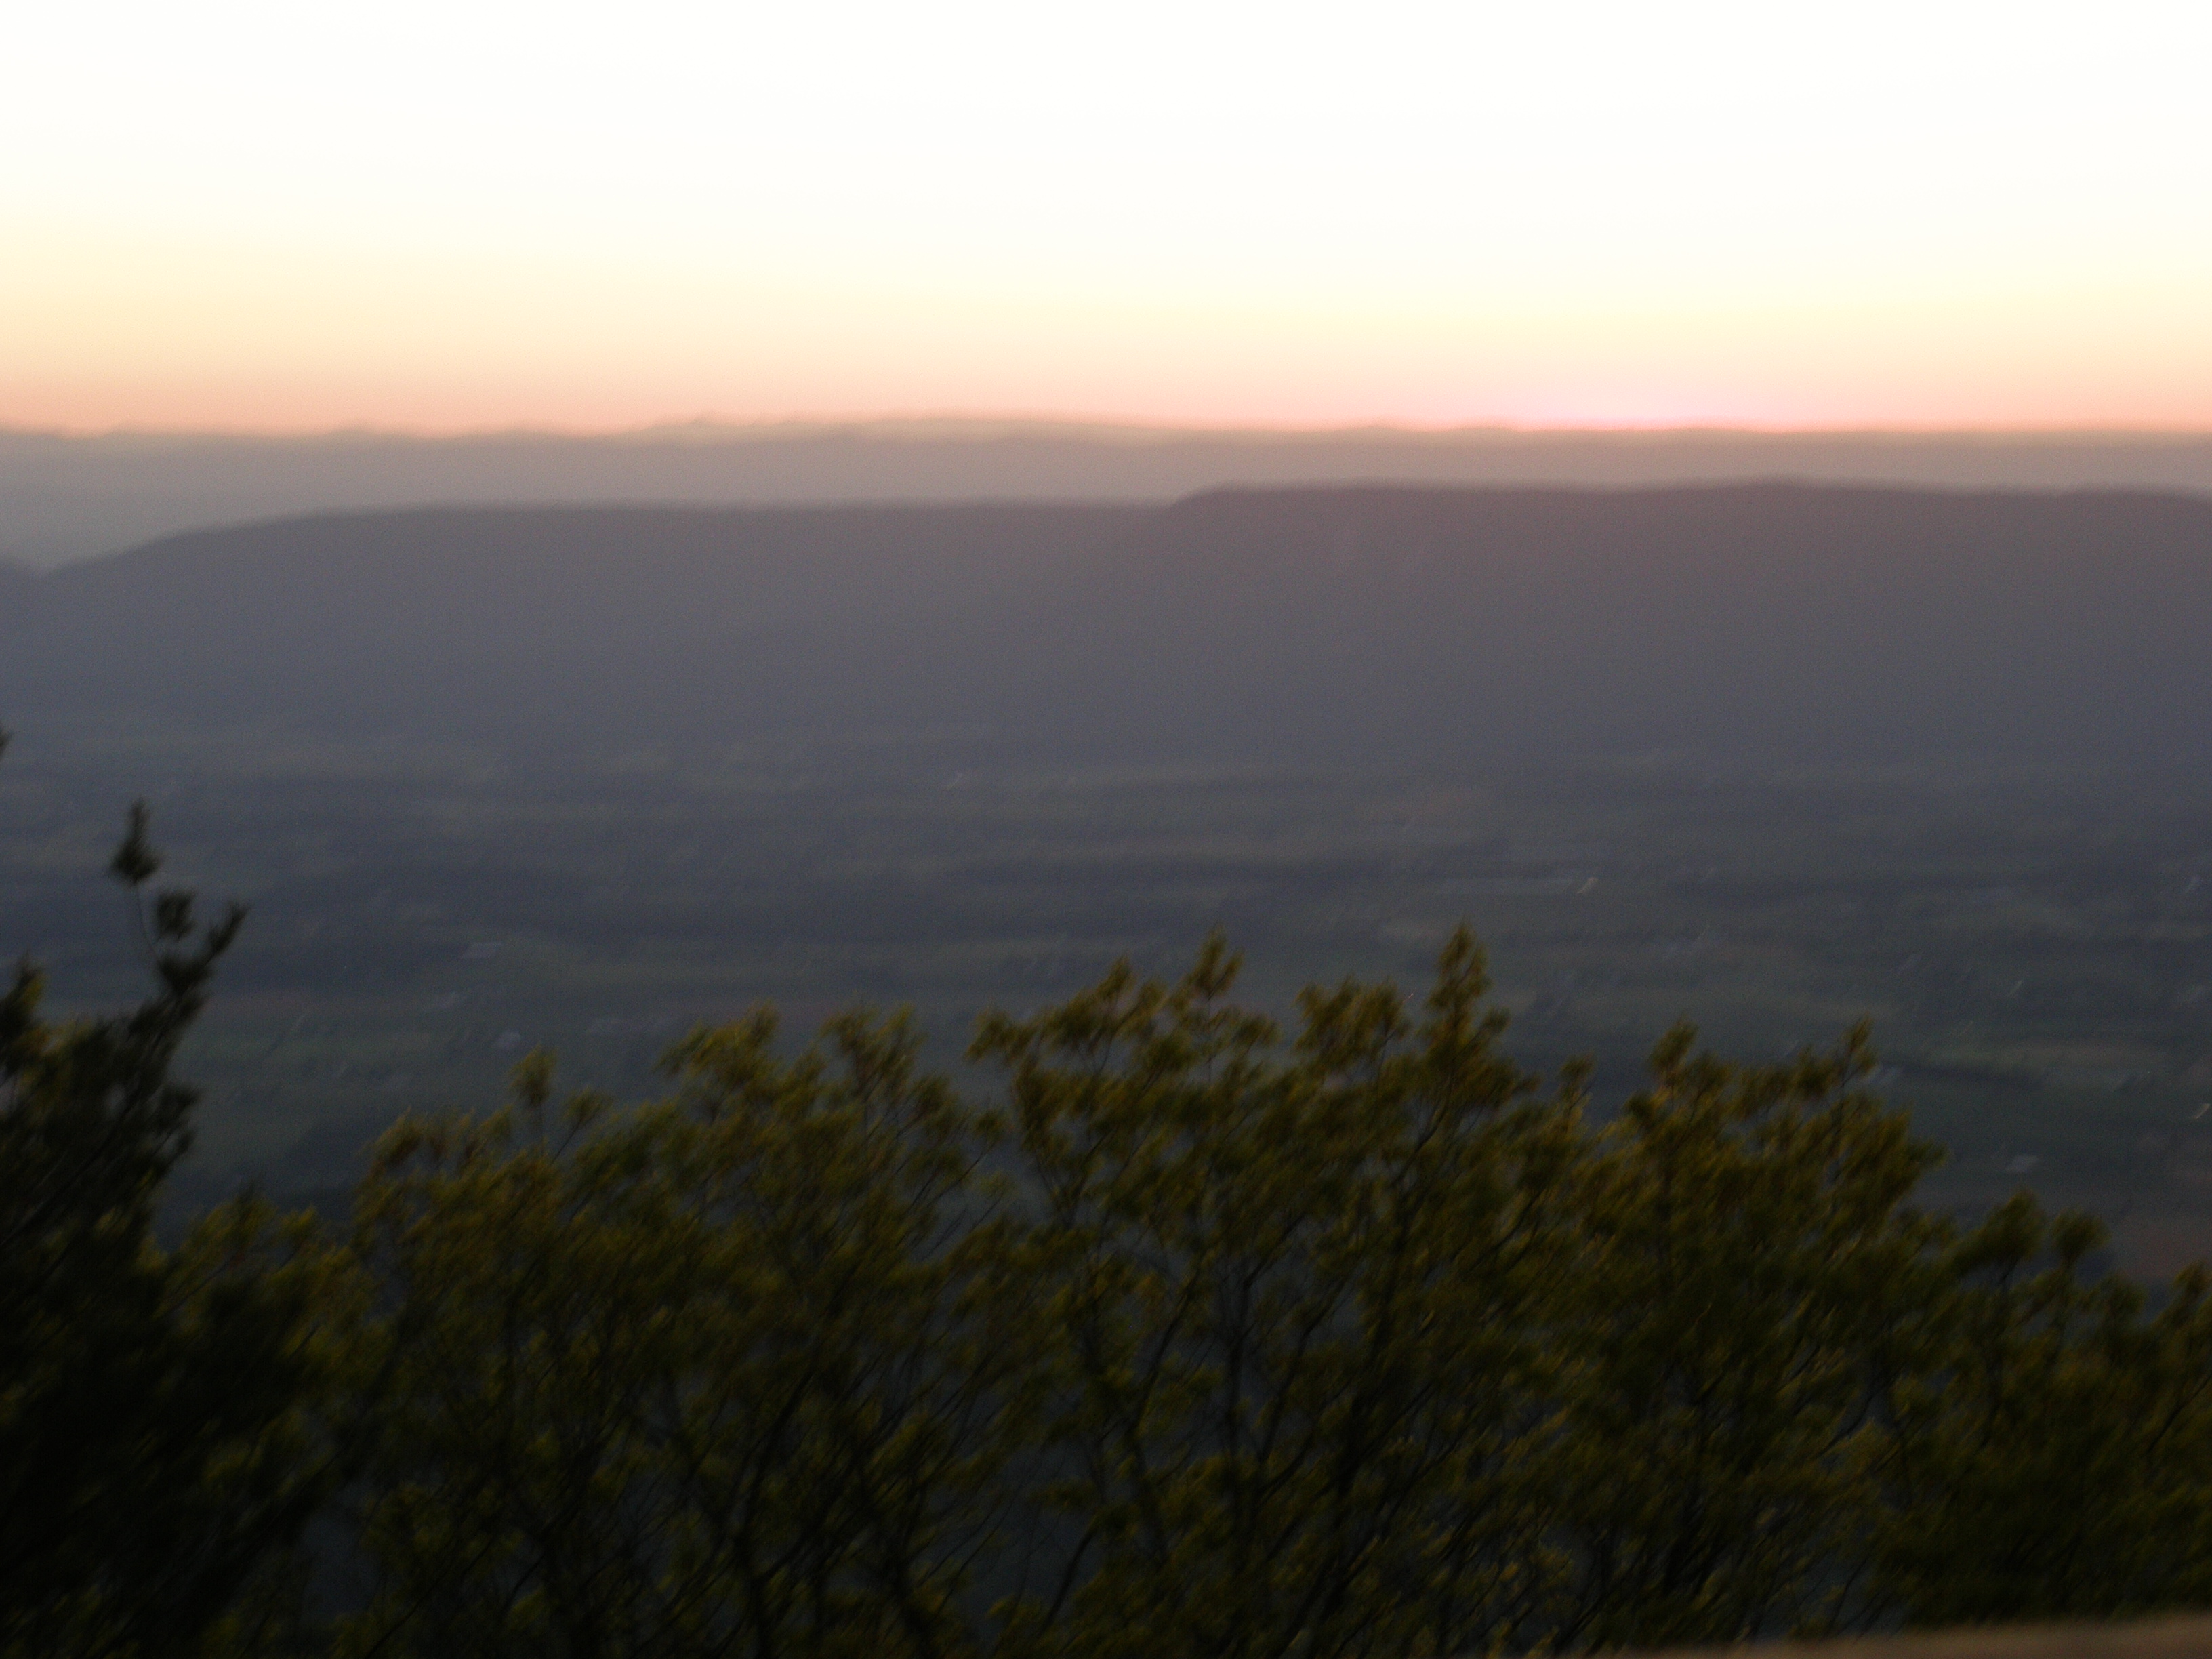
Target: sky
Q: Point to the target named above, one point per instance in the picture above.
(459, 216)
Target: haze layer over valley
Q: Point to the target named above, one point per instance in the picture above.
(1772, 757)
(72, 497)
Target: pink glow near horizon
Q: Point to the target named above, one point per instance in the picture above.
(1833, 382)
(1217, 214)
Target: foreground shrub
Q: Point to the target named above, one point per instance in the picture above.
(743, 1371)
(1210, 1339)
(151, 1451)
(1201, 1338)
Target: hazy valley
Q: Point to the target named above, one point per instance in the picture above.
(1768, 757)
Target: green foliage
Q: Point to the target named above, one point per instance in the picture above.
(1293, 1294)
(1212, 1339)
(1205, 1338)
(741, 1370)
(2061, 1464)
(1750, 1275)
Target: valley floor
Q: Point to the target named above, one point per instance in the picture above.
(2035, 951)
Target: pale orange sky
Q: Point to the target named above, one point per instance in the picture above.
(451, 217)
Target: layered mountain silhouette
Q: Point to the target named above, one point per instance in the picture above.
(1761, 623)
(64, 498)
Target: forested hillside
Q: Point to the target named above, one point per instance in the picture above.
(1767, 625)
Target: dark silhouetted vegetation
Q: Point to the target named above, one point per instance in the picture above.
(1190, 1334)
(147, 1461)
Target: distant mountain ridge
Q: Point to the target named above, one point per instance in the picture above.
(1376, 624)
(64, 498)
